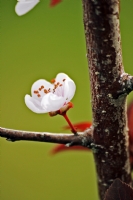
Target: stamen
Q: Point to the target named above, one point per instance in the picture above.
(52, 81)
(36, 92)
(60, 85)
(64, 79)
(45, 91)
(55, 86)
(41, 87)
(39, 95)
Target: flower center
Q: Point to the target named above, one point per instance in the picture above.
(58, 89)
(46, 91)
(40, 89)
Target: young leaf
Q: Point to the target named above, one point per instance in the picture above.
(81, 126)
(119, 191)
(54, 2)
(61, 147)
(130, 126)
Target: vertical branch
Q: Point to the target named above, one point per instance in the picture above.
(103, 41)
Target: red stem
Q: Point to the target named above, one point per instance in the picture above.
(70, 124)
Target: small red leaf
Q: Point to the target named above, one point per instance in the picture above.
(61, 147)
(81, 126)
(130, 120)
(130, 126)
(54, 2)
(119, 191)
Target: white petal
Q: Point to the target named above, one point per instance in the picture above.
(61, 90)
(34, 105)
(36, 85)
(67, 90)
(69, 86)
(72, 89)
(60, 77)
(52, 102)
(24, 6)
(56, 102)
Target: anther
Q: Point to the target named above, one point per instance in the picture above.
(36, 92)
(52, 81)
(55, 86)
(45, 91)
(64, 79)
(39, 95)
(60, 85)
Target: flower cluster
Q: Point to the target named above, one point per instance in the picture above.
(48, 97)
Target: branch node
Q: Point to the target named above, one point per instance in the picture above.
(69, 144)
(95, 147)
(122, 86)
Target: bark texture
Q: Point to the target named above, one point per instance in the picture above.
(103, 41)
(83, 138)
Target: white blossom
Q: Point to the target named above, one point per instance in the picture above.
(47, 97)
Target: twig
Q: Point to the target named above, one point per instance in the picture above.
(83, 138)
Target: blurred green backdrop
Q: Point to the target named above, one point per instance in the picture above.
(41, 44)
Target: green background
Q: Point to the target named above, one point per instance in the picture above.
(41, 44)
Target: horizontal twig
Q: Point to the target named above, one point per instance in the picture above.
(83, 138)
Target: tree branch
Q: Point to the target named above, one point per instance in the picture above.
(109, 88)
(83, 138)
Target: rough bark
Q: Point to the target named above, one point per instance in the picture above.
(84, 138)
(103, 41)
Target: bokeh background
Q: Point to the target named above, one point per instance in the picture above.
(41, 44)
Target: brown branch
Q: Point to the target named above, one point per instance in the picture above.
(109, 88)
(83, 139)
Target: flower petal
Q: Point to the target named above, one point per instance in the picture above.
(52, 102)
(34, 105)
(24, 6)
(61, 76)
(68, 86)
(72, 89)
(37, 87)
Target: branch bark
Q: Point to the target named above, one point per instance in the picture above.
(84, 138)
(109, 88)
